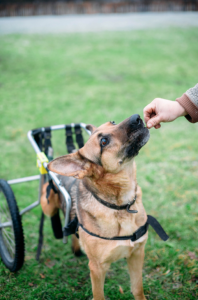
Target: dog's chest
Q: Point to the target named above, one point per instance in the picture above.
(107, 222)
(125, 221)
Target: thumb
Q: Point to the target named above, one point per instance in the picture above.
(154, 121)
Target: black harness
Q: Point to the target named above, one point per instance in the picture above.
(117, 207)
(72, 227)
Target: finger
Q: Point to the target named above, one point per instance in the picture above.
(153, 121)
(152, 115)
(148, 111)
(157, 126)
(147, 114)
(147, 117)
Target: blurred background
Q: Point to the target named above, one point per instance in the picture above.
(105, 65)
(29, 8)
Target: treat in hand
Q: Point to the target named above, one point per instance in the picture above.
(162, 110)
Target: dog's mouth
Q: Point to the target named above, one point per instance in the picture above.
(137, 138)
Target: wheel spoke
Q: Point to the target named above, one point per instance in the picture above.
(7, 212)
(9, 247)
(5, 216)
(10, 233)
(9, 237)
(4, 213)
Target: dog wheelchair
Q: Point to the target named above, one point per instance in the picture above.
(12, 244)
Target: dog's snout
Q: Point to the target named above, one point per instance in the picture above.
(135, 121)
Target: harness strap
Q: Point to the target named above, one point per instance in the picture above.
(72, 228)
(43, 140)
(79, 137)
(134, 237)
(157, 227)
(69, 139)
(117, 207)
(40, 241)
(38, 137)
(47, 143)
(49, 187)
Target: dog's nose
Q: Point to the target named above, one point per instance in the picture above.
(135, 121)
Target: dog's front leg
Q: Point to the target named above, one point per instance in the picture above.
(97, 274)
(135, 264)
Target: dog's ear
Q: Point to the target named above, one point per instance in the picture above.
(91, 128)
(71, 165)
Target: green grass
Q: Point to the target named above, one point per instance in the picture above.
(94, 78)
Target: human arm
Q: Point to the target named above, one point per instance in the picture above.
(189, 101)
(162, 110)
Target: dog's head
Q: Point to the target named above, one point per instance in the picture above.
(109, 149)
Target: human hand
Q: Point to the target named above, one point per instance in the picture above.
(162, 110)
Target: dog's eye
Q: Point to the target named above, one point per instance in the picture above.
(113, 122)
(104, 142)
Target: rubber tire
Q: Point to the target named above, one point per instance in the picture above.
(18, 260)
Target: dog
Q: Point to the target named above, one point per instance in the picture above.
(101, 178)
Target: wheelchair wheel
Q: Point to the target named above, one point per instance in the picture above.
(12, 249)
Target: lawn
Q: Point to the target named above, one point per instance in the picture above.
(93, 78)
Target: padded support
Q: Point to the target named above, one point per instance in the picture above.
(57, 226)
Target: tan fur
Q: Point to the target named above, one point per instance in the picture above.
(113, 178)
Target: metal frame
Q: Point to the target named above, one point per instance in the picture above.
(42, 179)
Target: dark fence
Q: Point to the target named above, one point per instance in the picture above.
(32, 8)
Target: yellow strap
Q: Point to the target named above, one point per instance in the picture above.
(41, 158)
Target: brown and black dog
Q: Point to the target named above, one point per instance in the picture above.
(105, 169)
